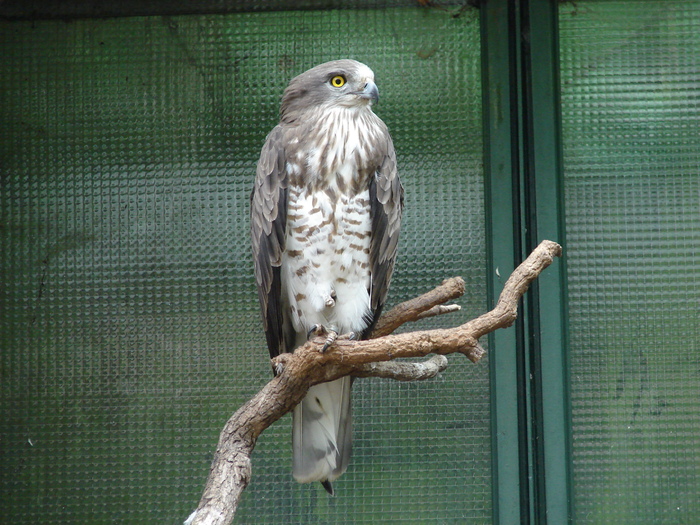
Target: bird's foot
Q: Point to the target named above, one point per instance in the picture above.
(318, 330)
(332, 336)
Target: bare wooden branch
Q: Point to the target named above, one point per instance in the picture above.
(411, 310)
(231, 468)
(403, 371)
(439, 310)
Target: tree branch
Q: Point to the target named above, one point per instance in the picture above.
(231, 468)
(418, 308)
(402, 371)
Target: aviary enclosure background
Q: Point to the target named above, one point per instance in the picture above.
(129, 327)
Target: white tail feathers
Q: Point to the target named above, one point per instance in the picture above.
(322, 432)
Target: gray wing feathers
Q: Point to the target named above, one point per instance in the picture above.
(268, 213)
(386, 196)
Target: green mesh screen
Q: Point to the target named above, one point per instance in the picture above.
(631, 114)
(130, 328)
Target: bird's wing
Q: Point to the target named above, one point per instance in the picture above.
(386, 201)
(268, 215)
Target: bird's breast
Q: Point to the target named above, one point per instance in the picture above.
(326, 262)
(339, 151)
(326, 270)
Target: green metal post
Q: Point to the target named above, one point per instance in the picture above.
(500, 165)
(547, 301)
(529, 366)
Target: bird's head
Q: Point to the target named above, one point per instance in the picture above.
(340, 83)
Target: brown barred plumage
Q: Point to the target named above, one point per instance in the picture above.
(325, 218)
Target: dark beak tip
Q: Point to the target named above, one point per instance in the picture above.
(371, 92)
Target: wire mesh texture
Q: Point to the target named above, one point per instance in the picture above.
(631, 127)
(130, 328)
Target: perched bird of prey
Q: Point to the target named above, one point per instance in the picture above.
(325, 218)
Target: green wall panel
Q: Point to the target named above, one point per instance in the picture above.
(631, 121)
(130, 330)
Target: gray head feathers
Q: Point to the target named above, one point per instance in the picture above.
(340, 83)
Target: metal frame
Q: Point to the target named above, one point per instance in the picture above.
(531, 429)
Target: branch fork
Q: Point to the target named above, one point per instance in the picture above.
(231, 468)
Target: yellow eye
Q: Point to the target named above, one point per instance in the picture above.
(338, 81)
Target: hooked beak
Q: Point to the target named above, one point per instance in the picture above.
(370, 92)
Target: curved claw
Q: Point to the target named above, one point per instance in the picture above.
(332, 336)
(315, 330)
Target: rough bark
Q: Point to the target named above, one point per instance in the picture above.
(231, 468)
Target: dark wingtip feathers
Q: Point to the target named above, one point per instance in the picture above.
(329, 487)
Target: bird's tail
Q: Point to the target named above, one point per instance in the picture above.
(322, 433)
